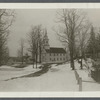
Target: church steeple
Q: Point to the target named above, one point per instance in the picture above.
(46, 40)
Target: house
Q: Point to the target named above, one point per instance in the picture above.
(52, 54)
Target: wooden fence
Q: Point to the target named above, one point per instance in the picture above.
(79, 80)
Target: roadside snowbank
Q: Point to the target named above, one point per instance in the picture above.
(88, 84)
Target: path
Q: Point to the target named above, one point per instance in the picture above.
(58, 78)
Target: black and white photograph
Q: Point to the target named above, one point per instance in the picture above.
(50, 50)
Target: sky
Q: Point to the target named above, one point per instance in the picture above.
(25, 18)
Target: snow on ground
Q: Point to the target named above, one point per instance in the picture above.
(7, 72)
(58, 78)
(83, 73)
(88, 84)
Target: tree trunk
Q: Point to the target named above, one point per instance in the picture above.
(71, 49)
(0, 62)
(1, 57)
(40, 55)
(22, 59)
(33, 63)
(72, 60)
(81, 63)
(72, 64)
(36, 60)
(82, 56)
(33, 59)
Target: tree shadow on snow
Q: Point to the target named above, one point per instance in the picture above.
(44, 69)
(54, 69)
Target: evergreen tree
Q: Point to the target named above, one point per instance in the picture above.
(92, 45)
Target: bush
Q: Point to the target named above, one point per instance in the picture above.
(95, 72)
(19, 65)
(96, 75)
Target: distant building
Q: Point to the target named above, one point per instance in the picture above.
(12, 60)
(52, 54)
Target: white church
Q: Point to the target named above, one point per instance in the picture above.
(52, 54)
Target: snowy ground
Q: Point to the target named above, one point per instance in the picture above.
(8, 72)
(88, 84)
(58, 78)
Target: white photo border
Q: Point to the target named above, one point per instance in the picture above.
(49, 6)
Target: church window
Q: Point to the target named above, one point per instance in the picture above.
(57, 59)
(54, 54)
(54, 59)
(60, 58)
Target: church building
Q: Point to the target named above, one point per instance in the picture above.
(52, 54)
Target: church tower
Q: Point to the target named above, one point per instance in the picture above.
(46, 41)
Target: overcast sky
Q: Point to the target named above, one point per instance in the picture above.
(26, 18)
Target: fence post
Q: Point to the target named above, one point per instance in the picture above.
(80, 84)
(78, 79)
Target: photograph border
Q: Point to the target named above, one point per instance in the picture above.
(49, 1)
(49, 6)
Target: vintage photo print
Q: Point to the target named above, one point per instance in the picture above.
(50, 48)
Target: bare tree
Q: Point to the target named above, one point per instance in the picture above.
(6, 20)
(31, 42)
(71, 20)
(83, 38)
(41, 42)
(26, 57)
(21, 50)
(33, 38)
(35, 42)
(5, 55)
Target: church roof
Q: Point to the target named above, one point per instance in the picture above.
(55, 50)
